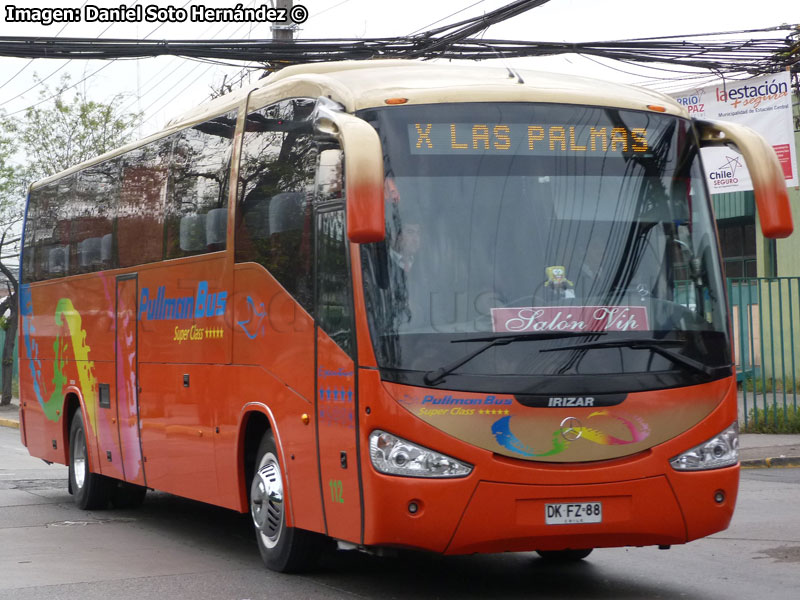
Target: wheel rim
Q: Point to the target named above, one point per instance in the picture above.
(79, 461)
(266, 500)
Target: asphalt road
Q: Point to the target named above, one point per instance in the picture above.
(175, 548)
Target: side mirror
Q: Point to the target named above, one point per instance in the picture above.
(363, 170)
(769, 185)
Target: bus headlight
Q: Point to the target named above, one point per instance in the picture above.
(720, 451)
(396, 456)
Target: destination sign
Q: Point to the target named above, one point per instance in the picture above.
(525, 139)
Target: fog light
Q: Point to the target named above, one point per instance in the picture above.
(413, 507)
(719, 497)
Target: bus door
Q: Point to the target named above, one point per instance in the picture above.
(336, 400)
(127, 378)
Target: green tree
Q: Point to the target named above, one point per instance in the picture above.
(65, 128)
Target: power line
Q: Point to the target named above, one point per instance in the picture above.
(180, 65)
(41, 81)
(447, 17)
(731, 57)
(30, 61)
(172, 98)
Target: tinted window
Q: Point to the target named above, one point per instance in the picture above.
(276, 184)
(196, 212)
(541, 218)
(94, 210)
(51, 242)
(167, 198)
(140, 214)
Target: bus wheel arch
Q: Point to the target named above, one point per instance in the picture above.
(72, 404)
(262, 470)
(255, 424)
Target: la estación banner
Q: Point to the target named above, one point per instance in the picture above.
(764, 104)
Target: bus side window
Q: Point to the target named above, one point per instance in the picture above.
(51, 245)
(29, 254)
(276, 184)
(96, 195)
(196, 210)
(140, 213)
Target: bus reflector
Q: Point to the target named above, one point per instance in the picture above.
(396, 100)
(657, 108)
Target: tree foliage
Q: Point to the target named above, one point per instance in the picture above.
(68, 129)
(10, 181)
(64, 129)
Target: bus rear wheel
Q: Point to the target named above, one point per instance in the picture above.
(564, 556)
(89, 490)
(284, 549)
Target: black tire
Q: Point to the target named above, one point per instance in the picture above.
(127, 495)
(89, 490)
(564, 556)
(283, 549)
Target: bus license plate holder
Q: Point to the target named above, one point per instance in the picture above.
(571, 513)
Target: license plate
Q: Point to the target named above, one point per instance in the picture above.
(567, 513)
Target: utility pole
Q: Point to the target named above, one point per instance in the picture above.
(283, 32)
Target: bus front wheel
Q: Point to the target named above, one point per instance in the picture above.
(90, 490)
(284, 549)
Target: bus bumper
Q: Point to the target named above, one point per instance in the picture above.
(666, 509)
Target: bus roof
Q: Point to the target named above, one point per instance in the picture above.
(369, 83)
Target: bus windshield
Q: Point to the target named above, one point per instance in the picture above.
(560, 225)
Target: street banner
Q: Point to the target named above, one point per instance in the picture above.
(762, 103)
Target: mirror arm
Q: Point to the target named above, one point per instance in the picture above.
(363, 169)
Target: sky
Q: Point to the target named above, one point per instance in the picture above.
(164, 87)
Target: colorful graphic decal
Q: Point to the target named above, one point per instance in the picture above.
(69, 321)
(253, 326)
(562, 428)
(571, 431)
(501, 429)
(32, 350)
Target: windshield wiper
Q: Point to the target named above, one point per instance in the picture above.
(661, 347)
(434, 377)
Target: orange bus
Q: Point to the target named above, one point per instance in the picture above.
(397, 305)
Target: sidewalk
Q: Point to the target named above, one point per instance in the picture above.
(755, 449)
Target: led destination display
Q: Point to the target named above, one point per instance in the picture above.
(525, 139)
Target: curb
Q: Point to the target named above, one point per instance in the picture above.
(771, 463)
(9, 423)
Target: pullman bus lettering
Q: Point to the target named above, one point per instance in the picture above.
(202, 304)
